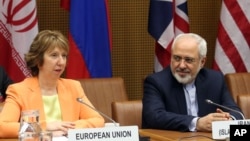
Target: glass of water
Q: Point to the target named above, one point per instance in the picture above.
(28, 136)
(45, 136)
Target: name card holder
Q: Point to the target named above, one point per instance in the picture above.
(221, 129)
(119, 133)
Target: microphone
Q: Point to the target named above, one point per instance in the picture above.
(221, 106)
(110, 119)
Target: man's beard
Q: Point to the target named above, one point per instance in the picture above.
(186, 79)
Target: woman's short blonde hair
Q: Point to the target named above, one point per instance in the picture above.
(44, 41)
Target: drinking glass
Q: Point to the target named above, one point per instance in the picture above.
(28, 136)
(45, 136)
(29, 126)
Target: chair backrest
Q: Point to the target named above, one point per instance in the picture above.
(244, 104)
(103, 91)
(127, 112)
(238, 83)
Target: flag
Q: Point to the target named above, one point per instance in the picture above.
(232, 48)
(167, 19)
(18, 27)
(89, 39)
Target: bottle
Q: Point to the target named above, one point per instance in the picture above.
(29, 125)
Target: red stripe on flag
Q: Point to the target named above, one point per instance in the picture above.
(182, 24)
(109, 25)
(163, 54)
(8, 63)
(231, 52)
(65, 4)
(215, 66)
(76, 61)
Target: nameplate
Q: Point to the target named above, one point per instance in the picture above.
(221, 129)
(120, 133)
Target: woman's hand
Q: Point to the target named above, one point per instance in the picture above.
(60, 128)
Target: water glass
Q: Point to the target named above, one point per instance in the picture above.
(46, 136)
(28, 136)
(30, 121)
(29, 126)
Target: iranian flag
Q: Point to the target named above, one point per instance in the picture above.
(18, 27)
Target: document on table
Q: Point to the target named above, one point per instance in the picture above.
(63, 138)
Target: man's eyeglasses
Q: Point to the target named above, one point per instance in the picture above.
(188, 60)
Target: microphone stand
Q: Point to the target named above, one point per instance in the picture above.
(230, 109)
(110, 119)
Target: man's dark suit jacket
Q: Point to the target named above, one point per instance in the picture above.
(4, 82)
(164, 104)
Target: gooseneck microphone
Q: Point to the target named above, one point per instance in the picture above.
(110, 119)
(221, 106)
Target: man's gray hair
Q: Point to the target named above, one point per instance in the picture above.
(202, 44)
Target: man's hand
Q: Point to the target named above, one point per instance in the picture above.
(226, 113)
(205, 123)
